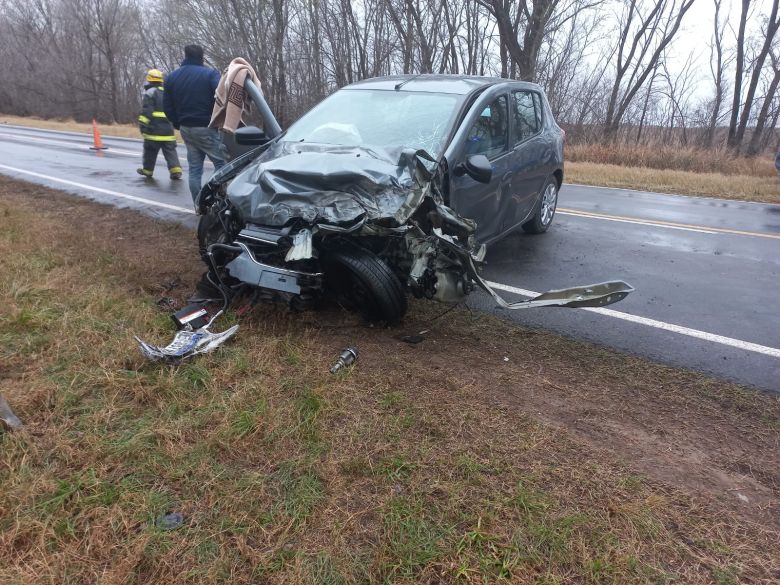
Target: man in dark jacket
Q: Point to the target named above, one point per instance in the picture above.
(189, 100)
(156, 129)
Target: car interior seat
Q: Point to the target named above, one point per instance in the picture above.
(488, 134)
(480, 138)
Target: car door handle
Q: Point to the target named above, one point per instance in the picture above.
(506, 177)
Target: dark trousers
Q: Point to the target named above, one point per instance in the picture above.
(168, 147)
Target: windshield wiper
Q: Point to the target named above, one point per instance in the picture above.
(405, 81)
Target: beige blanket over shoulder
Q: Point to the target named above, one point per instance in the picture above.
(230, 97)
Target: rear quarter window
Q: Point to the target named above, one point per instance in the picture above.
(538, 108)
(527, 114)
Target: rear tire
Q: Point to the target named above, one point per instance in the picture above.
(545, 209)
(363, 282)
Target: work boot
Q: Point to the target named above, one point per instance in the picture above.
(175, 173)
(144, 173)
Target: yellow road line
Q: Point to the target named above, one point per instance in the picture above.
(669, 224)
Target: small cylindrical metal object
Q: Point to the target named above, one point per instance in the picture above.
(347, 358)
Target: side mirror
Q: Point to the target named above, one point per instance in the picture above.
(251, 136)
(477, 166)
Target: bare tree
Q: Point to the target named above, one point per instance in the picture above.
(645, 30)
(756, 141)
(678, 90)
(523, 27)
(86, 58)
(717, 69)
(739, 71)
(769, 32)
(565, 56)
(646, 104)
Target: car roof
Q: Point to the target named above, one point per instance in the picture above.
(437, 83)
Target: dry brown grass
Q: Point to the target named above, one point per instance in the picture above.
(120, 130)
(739, 187)
(675, 158)
(681, 170)
(435, 463)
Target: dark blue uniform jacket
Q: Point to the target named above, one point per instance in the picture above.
(189, 94)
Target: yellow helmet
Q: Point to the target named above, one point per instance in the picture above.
(154, 76)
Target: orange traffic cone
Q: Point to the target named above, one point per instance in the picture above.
(96, 137)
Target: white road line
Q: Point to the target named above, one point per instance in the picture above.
(75, 145)
(738, 343)
(637, 221)
(703, 229)
(99, 190)
(677, 195)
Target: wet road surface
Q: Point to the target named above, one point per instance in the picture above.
(707, 271)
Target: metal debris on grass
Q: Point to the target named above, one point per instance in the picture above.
(414, 338)
(170, 521)
(186, 344)
(347, 358)
(168, 303)
(8, 419)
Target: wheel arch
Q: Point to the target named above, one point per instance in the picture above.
(558, 174)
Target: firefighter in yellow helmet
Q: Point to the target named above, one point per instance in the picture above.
(156, 129)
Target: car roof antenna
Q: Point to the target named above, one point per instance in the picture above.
(405, 81)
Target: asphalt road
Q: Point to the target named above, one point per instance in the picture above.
(706, 271)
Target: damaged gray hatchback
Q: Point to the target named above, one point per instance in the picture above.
(389, 185)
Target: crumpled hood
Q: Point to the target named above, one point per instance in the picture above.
(322, 184)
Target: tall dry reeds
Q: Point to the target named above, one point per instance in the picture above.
(680, 158)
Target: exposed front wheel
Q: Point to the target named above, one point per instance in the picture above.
(218, 226)
(545, 209)
(361, 281)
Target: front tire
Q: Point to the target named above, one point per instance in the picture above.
(219, 225)
(360, 280)
(545, 209)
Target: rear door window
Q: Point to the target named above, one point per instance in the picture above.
(527, 114)
(488, 135)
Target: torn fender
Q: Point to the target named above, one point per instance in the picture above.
(591, 295)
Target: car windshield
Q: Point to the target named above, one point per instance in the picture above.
(379, 119)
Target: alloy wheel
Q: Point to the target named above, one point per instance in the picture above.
(549, 203)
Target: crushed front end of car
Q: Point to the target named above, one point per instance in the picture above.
(322, 216)
(301, 222)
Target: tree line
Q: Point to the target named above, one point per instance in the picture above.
(609, 67)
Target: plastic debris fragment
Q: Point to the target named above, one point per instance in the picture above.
(186, 344)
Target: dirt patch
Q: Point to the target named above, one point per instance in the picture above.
(698, 434)
(487, 452)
